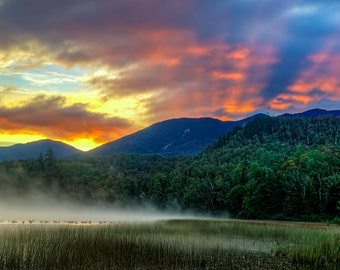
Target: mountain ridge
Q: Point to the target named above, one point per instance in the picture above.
(312, 113)
(34, 149)
(172, 137)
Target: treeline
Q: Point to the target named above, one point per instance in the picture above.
(270, 168)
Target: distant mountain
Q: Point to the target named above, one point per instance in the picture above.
(312, 113)
(33, 149)
(174, 137)
(183, 136)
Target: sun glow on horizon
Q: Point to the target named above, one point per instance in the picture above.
(81, 144)
(12, 139)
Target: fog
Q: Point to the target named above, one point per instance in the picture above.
(39, 207)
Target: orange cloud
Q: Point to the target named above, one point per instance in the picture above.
(238, 54)
(286, 100)
(231, 84)
(322, 76)
(253, 67)
(227, 75)
(319, 81)
(196, 50)
(50, 117)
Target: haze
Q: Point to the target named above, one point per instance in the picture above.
(37, 207)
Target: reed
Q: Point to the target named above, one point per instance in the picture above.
(173, 244)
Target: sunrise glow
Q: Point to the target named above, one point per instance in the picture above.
(86, 73)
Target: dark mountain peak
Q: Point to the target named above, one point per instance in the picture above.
(258, 115)
(185, 121)
(250, 118)
(312, 113)
(173, 137)
(45, 143)
(33, 149)
(179, 136)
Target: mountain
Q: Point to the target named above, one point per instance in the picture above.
(33, 149)
(185, 136)
(312, 113)
(174, 137)
(311, 129)
(279, 168)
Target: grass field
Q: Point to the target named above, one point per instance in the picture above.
(171, 244)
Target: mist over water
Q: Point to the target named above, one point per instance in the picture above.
(39, 207)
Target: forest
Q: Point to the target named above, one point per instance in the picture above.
(270, 168)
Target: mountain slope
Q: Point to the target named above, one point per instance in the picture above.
(169, 138)
(284, 133)
(312, 113)
(33, 149)
(186, 136)
(174, 137)
(278, 168)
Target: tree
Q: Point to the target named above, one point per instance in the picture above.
(50, 160)
(317, 167)
(50, 166)
(332, 196)
(234, 200)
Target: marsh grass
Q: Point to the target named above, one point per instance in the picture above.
(173, 244)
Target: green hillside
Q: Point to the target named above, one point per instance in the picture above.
(271, 168)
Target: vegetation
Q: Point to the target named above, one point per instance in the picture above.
(174, 244)
(270, 168)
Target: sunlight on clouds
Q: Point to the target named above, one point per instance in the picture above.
(47, 79)
(244, 107)
(23, 57)
(100, 72)
(12, 96)
(238, 54)
(111, 95)
(131, 107)
(83, 134)
(30, 67)
(82, 144)
(251, 67)
(321, 77)
(228, 75)
(7, 139)
(318, 82)
(287, 100)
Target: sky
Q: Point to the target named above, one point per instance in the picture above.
(88, 72)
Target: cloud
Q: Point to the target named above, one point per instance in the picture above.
(228, 76)
(177, 58)
(316, 80)
(306, 27)
(322, 76)
(49, 116)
